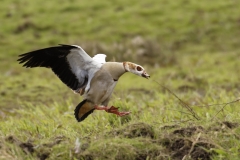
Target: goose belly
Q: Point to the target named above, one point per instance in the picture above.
(107, 92)
(100, 91)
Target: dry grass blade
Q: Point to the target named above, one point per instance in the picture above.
(192, 147)
(181, 102)
(225, 104)
(218, 104)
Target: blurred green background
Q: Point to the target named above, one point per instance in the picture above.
(184, 26)
(190, 46)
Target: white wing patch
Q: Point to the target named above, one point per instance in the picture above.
(100, 58)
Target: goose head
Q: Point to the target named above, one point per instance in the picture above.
(135, 69)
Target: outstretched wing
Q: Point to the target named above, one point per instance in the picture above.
(69, 62)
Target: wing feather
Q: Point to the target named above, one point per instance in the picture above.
(69, 62)
(100, 58)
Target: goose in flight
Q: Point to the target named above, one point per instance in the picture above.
(94, 78)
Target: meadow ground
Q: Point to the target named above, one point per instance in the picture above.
(188, 109)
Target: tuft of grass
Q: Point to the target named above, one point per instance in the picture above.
(189, 47)
(121, 148)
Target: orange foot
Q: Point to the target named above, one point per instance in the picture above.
(113, 110)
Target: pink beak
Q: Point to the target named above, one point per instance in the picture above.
(145, 75)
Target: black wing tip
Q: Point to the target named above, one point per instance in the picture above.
(24, 54)
(40, 56)
(76, 111)
(20, 59)
(35, 51)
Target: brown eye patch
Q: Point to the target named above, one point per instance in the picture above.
(139, 68)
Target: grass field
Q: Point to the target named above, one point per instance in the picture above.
(188, 109)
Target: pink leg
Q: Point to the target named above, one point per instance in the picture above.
(101, 108)
(113, 110)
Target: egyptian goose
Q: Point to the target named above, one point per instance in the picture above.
(93, 78)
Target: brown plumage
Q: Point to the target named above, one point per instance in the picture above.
(93, 78)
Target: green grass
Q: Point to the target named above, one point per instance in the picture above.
(190, 47)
